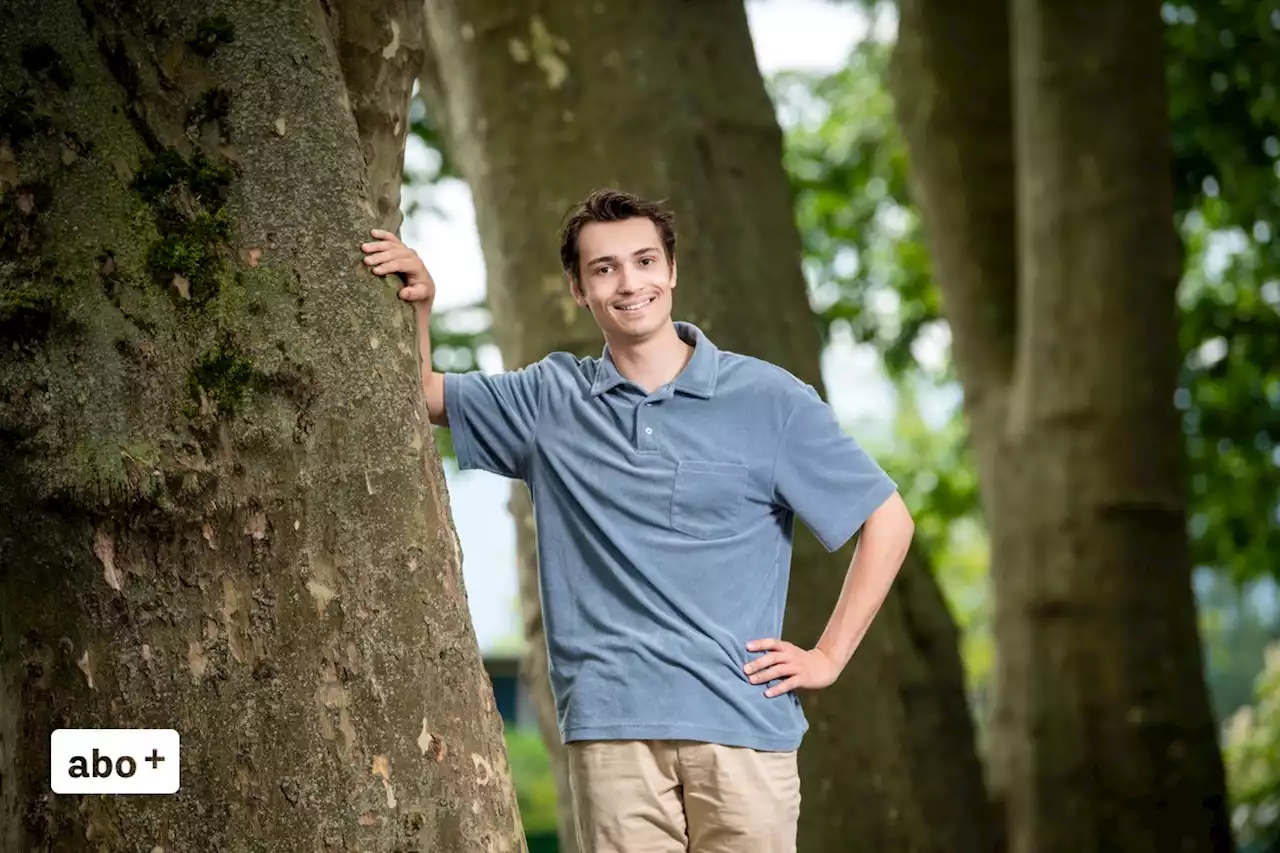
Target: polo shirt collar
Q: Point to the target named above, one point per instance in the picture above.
(698, 378)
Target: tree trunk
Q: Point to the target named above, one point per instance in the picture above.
(1064, 333)
(666, 99)
(221, 510)
(961, 144)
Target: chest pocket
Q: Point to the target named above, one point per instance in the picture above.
(707, 498)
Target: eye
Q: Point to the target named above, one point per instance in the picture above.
(603, 270)
(644, 262)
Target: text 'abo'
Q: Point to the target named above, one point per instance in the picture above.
(114, 761)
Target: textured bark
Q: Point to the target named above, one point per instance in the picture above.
(380, 50)
(1103, 738)
(666, 99)
(221, 510)
(960, 137)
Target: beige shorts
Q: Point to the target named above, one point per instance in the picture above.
(657, 796)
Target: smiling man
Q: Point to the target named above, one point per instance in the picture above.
(667, 476)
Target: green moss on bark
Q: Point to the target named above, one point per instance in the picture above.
(213, 106)
(192, 251)
(25, 316)
(188, 196)
(223, 376)
(43, 62)
(211, 34)
(206, 181)
(21, 118)
(19, 220)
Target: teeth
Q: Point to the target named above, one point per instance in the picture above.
(635, 307)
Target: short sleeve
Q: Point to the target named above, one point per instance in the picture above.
(824, 476)
(492, 418)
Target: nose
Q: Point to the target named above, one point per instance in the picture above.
(626, 281)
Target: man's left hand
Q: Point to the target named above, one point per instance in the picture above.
(811, 670)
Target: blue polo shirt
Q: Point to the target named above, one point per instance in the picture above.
(664, 527)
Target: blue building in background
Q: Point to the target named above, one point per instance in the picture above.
(509, 693)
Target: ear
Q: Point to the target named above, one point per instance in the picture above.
(674, 269)
(578, 296)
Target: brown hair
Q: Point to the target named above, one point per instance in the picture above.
(612, 206)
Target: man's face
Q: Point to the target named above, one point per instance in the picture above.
(625, 279)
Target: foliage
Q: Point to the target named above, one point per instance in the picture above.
(1230, 396)
(534, 780)
(1251, 751)
(929, 459)
(869, 274)
(1223, 59)
(864, 254)
(427, 160)
(1237, 623)
(428, 130)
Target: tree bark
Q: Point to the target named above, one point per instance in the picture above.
(380, 51)
(221, 510)
(962, 174)
(544, 102)
(1063, 322)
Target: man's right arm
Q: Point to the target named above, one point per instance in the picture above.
(432, 382)
(494, 418)
(387, 255)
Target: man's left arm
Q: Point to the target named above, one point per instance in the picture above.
(881, 548)
(834, 487)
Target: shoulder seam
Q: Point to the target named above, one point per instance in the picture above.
(776, 369)
(529, 451)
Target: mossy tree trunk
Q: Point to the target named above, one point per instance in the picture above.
(1058, 279)
(543, 102)
(221, 510)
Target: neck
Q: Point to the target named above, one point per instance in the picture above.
(653, 361)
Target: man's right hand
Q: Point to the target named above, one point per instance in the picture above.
(387, 255)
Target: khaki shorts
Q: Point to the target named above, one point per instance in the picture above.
(657, 796)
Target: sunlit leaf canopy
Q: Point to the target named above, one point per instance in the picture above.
(1223, 74)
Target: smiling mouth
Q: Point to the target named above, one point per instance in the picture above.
(635, 306)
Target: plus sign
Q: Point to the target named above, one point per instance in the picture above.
(155, 758)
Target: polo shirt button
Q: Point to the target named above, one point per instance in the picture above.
(648, 430)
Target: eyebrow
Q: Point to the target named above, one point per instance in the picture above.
(614, 258)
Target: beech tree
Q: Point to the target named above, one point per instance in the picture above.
(542, 102)
(221, 508)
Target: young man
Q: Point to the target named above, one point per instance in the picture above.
(666, 477)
